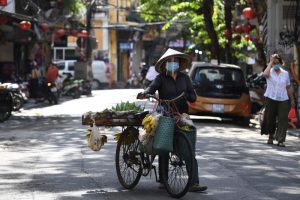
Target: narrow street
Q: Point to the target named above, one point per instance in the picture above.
(44, 156)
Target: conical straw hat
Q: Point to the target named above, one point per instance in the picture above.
(184, 60)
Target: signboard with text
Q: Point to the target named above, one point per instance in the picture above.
(126, 45)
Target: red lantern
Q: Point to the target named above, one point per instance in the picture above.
(3, 19)
(247, 37)
(25, 25)
(227, 33)
(60, 32)
(74, 33)
(3, 2)
(44, 27)
(238, 29)
(83, 33)
(246, 28)
(249, 13)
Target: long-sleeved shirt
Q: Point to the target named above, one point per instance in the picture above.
(169, 88)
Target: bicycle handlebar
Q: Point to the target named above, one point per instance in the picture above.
(164, 100)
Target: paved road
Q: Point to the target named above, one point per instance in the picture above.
(44, 156)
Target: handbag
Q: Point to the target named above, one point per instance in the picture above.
(164, 134)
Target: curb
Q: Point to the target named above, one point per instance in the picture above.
(295, 133)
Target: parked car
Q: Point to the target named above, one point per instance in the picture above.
(221, 91)
(65, 66)
(98, 68)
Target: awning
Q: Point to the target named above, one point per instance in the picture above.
(10, 30)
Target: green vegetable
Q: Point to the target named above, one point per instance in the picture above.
(126, 106)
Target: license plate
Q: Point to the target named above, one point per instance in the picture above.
(54, 89)
(218, 108)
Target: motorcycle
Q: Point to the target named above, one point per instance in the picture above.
(53, 94)
(71, 87)
(6, 103)
(133, 81)
(18, 97)
(257, 84)
(49, 92)
(86, 87)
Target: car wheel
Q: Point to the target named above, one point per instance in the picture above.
(96, 85)
(244, 121)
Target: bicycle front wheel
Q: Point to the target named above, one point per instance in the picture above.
(177, 166)
(128, 160)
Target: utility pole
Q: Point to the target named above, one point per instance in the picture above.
(83, 69)
(90, 9)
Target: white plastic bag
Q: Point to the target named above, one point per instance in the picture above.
(261, 116)
(94, 139)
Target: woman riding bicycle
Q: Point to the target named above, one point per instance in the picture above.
(170, 83)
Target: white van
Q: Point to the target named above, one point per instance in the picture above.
(65, 66)
(98, 68)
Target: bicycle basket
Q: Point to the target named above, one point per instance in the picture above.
(163, 138)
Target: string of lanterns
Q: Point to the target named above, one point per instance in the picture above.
(243, 29)
(26, 25)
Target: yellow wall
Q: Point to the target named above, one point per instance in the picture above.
(99, 34)
(120, 12)
(114, 58)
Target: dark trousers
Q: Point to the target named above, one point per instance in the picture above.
(275, 122)
(164, 158)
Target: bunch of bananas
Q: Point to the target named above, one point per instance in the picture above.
(117, 136)
(149, 123)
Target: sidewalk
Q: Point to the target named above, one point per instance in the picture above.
(294, 132)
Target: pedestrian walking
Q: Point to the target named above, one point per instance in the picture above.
(279, 99)
(109, 72)
(170, 83)
(34, 80)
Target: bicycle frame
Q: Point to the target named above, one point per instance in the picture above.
(131, 162)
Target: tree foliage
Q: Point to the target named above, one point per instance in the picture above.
(190, 13)
(74, 6)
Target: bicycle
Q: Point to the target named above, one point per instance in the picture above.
(177, 165)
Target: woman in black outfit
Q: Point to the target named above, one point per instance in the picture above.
(170, 83)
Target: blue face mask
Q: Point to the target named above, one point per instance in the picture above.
(172, 66)
(276, 67)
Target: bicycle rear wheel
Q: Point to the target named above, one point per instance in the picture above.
(177, 167)
(127, 160)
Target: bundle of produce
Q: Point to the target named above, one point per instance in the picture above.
(184, 122)
(124, 112)
(149, 125)
(129, 135)
(95, 140)
(127, 106)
